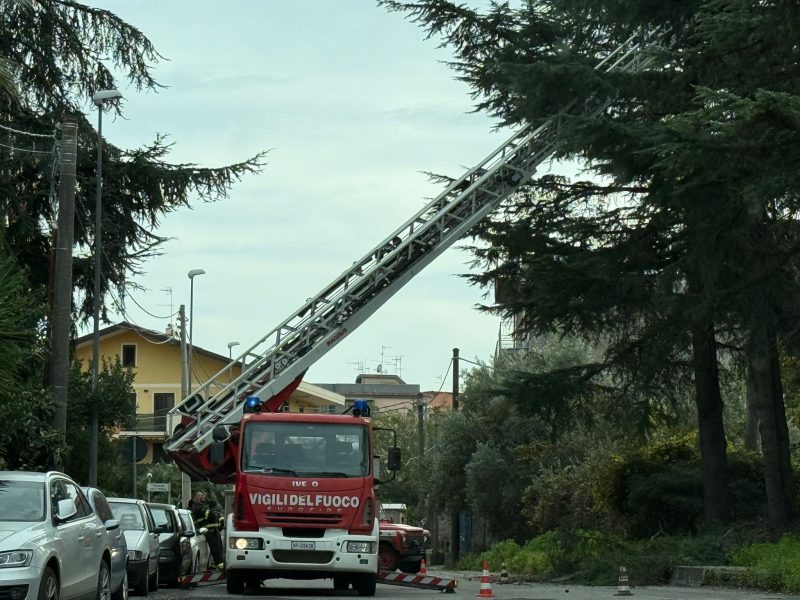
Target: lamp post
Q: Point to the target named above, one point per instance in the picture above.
(192, 274)
(230, 346)
(99, 99)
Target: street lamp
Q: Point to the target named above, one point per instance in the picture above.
(192, 274)
(231, 345)
(99, 99)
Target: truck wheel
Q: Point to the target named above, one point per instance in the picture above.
(387, 558)
(253, 582)
(365, 584)
(411, 566)
(234, 582)
(341, 583)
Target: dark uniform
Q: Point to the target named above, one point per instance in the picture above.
(205, 515)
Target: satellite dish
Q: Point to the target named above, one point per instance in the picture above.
(379, 369)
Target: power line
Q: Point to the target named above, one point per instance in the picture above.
(28, 150)
(28, 133)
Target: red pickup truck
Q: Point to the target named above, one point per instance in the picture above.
(401, 546)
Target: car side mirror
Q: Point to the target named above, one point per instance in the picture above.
(188, 534)
(66, 509)
(111, 524)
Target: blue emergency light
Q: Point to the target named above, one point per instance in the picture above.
(360, 408)
(252, 404)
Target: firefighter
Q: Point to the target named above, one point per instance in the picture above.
(206, 515)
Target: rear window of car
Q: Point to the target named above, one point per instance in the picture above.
(186, 519)
(128, 515)
(22, 500)
(165, 520)
(101, 507)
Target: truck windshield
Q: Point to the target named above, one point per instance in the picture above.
(306, 449)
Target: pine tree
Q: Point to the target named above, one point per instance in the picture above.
(693, 237)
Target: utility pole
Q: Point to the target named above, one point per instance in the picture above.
(455, 378)
(455, 515)
(186, 483)
(421, 426)
(61, 317)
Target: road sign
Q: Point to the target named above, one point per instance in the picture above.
(158, 487)
(126, 447)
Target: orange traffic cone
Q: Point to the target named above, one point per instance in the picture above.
(423, 568)
(486, 583)
(623, 586)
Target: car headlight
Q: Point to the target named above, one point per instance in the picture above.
(135, 555)
(360, 547)
(15, 558)
(246, 543)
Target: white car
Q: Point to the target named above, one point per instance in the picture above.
(52, 545)
(200, 552)
(141, 538)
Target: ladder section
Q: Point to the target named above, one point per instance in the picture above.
(285, 353)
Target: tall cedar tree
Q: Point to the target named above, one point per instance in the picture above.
(62, 52)
(694, 233)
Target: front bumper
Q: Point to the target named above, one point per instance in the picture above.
(326, 557)
(20, 583)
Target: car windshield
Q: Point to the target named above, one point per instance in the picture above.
(163, 522)
(306, 449)
(22, 500)
(129, 516)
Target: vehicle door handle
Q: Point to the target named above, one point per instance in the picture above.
(80, 539)
(98, 534)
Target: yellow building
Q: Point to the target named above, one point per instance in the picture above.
(155, 358)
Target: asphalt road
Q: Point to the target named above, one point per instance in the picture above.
(468, 587)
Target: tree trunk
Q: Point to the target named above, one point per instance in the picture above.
(763, 358)
(750, 415)
(713, 457)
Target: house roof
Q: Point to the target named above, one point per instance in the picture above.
(148, 335)
(305, 392)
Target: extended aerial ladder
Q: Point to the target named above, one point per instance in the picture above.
(274, 366)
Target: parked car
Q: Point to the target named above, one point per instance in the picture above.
(116, 541)
(401, 546)
(200, 552)
(175, 548)
(139, 529)
(52, 544)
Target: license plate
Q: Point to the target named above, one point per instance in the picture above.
(303, 545)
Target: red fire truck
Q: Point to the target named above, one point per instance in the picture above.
(304, 503)
(306, 519)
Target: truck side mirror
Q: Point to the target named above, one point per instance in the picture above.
(220, 433)
(393, 463)
(216, 453)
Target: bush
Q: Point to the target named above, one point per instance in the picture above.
(770, 566)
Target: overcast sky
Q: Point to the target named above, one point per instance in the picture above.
(353, 103)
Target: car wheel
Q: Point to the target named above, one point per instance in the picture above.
(104, 582)
(387, 558)
(411, 566)
(48, 588)
(121, 593)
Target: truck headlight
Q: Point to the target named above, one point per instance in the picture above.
(361, 547)
(242, 543)
(135, 555)
(15, 558)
